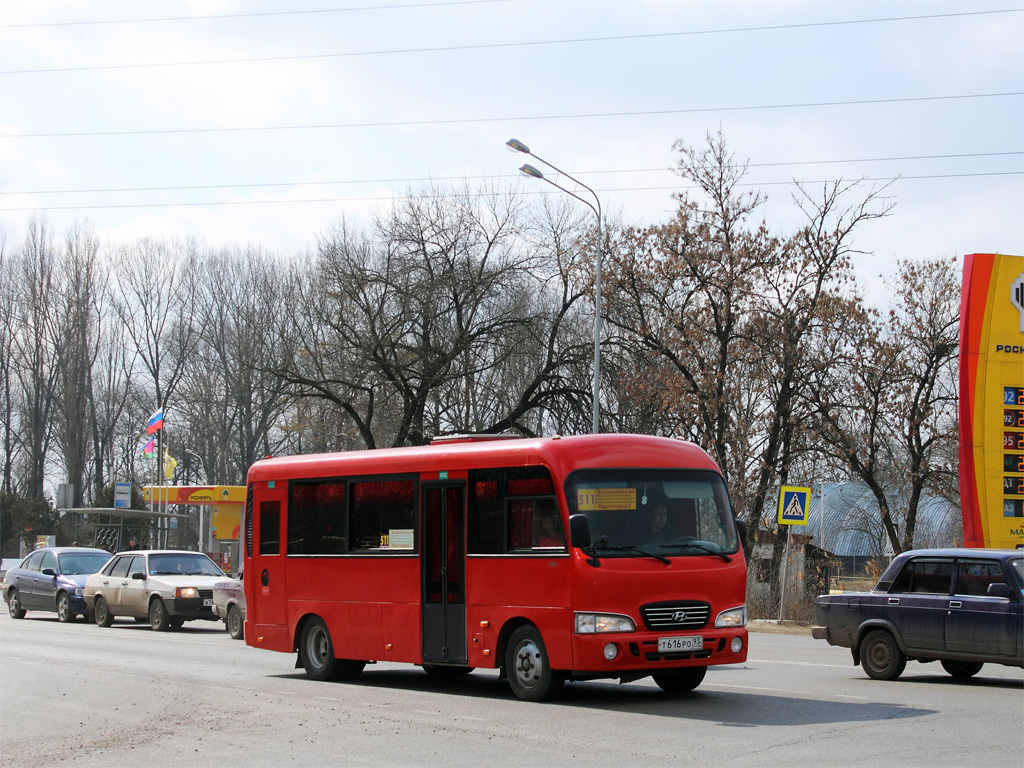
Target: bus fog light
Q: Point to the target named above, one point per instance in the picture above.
(611, 651)
(737, 644)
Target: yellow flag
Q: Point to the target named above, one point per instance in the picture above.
(169, 464)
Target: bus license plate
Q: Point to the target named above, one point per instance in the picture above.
(676, 644)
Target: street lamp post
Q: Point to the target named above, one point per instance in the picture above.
(528, 170)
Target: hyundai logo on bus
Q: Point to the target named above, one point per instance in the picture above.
(679, 616)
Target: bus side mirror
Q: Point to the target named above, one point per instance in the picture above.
(741, 527)
(579, 531)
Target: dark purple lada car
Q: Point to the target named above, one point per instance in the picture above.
(960, 607)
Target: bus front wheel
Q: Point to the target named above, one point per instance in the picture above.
(528, 668)
(316, 654)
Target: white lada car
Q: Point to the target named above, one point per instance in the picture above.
(164, 587)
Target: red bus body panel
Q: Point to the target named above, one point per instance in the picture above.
(372, 605)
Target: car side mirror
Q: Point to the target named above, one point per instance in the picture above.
(998, 589)
(579, 531)
(139, 576)
(49, 572)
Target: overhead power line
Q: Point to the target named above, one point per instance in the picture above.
(221, 16)
(414, 179)
(519, 44)
(508, 118)
(674, 188)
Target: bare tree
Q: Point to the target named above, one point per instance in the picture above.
(888, 409)
(155, 301)
(401, 326)
(233, 405)
(34, 353)
(8, 384)
(75, 320)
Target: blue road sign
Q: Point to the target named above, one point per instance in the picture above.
(794, 505)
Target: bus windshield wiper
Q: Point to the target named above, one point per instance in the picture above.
(634, 548)
(688, 541)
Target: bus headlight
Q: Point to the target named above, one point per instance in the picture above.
(734, 617)
(597, 623)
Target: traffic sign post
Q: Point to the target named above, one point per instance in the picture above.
(794, 509)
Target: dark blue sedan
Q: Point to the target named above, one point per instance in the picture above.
(52, 579)
(960, 607)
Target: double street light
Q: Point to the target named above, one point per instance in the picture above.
(515, 145)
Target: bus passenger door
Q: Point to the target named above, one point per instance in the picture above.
(267, 610)
(444, 574)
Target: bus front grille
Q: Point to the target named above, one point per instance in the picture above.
(676, 614)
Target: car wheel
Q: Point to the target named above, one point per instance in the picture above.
(64, 612)
(158, 618)
(961, 670)
(881, 658)
(234, 624)
(527, 667)
(14, 605)
(680, 680)
(104, 618)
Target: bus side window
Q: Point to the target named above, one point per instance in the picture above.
(520, 524)
(486, 516)
(270, 527)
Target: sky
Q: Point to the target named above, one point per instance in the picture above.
(265, 122)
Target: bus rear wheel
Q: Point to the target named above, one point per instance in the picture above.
(527, 666)
(316, 654)
(680, 680)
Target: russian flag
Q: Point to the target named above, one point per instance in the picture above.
(156, 421)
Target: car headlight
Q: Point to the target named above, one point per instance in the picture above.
(591, 623)
(79, 591)
(186, 592)
(734, 617)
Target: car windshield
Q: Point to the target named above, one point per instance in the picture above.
(654, 512)
(186, 563)
(1017, 572)
(72, 563)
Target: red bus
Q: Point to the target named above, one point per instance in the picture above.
(455, 556)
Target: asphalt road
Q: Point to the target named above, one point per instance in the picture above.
(128, 696)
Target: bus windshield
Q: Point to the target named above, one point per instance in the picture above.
(666, 512)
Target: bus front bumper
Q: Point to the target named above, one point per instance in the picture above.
(632, 651)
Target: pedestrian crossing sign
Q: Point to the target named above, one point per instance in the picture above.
(794, 505)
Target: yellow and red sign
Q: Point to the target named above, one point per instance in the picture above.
(992, 400)
(226, 500)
